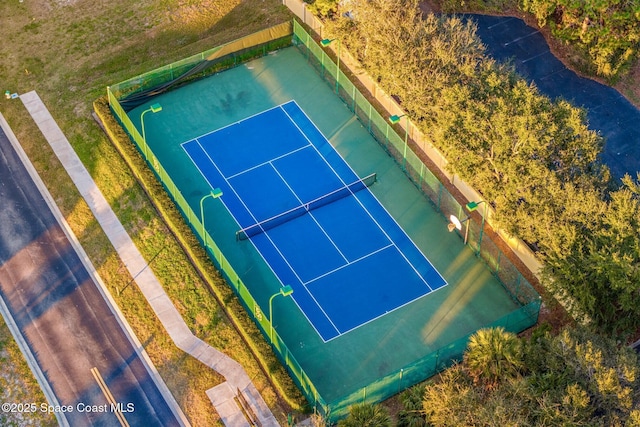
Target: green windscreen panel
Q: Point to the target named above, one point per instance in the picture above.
(264, 36)
(167, 78)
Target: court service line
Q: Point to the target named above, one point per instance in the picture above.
(310, 214)
(268, 237)
(362, 205)
(258, 250)
(282, 282)
(248, 210)
(372, 195)
(267, 162)
(348, 264)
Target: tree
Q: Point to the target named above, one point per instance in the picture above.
(454, 400)
(576, 378)
(606, 32)
(582, 376)
(412, 414)
(600, 267)
(366, 415)
(522, 151)
(493, 355)
(323, 7)
(535, 161)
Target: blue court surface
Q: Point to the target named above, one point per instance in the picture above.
(313, 220)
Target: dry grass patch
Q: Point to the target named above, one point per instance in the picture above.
(18, 385)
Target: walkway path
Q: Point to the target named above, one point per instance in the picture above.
(75, 339)
(222, 396)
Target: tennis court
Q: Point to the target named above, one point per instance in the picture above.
(312, 198)
(313, 220)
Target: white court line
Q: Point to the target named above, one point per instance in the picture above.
(272, 242)
(378, 317)
(246, 207)
(392, 243)
(310, 214)
(268, 162)
(349, 263)
(282, 282)
(360, 203)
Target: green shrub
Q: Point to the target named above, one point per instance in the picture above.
(323, 7)
(606, 33)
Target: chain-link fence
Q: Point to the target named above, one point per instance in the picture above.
(514, 283)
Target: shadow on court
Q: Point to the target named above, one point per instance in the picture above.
(608, 112)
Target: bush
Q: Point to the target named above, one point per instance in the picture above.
(607, 33)
(324, 8)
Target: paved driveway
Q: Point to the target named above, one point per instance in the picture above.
(608, 111)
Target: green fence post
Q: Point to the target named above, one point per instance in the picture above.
(386, 138)
(353, 96)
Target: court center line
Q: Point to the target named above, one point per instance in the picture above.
(376, 199)
(211, 184)
(360, 203)
(392, 243)
(248, 210)
(267, 162)
(268, 237)
(270, 240)
(310, 214)
(349, 263)
(282, 282)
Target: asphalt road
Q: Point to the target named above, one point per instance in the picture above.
(63, 317)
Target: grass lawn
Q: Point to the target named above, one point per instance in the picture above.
(17, 385)
(69, 51)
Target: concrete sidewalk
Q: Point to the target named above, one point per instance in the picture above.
(222, 396)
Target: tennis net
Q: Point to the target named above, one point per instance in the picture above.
(335, 195)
